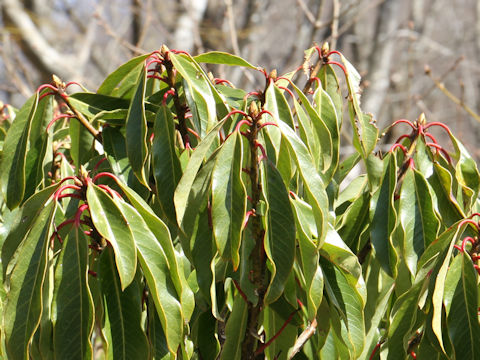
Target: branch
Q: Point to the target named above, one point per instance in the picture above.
(41, 53)
(303, 338)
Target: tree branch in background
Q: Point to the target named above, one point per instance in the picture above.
(43, 56)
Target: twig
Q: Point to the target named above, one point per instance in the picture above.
(303, 338)
(335, 16)
(452, 97)
(231, 26)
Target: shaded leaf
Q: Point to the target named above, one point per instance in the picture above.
(73, 302)
(123, 307)
(280, 231)
(24, 299)
(111, 223)
(229, 198)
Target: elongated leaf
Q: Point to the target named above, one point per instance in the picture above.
(198, 92)
(24, 299)
(38, 143)
(280, 231)
(155, 333)
(323, 133)
(417, 217)
(328, 113)
(461, 306)
(166, 165)
(402, 319)
(306, 232)
(276, 103)
(124, 312)
(229, 198)
(73, 302)
(437, 297)
(383, 218)
(314, 186)
(116, 79)
(81, 144)
(110, 222)
(219, 57)
(155, 268)
(366, 132)
(235, 330)
(349, 303)
(182, 191)
(14, 154)
(445, 202)
(24, 220)
(162, 235)
(136, 130)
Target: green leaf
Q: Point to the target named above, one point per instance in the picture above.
(156, 335)
(365, 130)
(461, 306)
(208, 345)
(313, 184)
(111, 223)
(38, 146)
(312, 273)
(445, 202)
(417, 217)
(229, 198)
(235, 330)
(116, 80)
(23, 309)
(402, 320)
(166, 165)
(23, 222)
(136, 131)
(322, 131)
(73, 302)
(181, 197)
(348, 301)
(124, 310)
(14, 154)
(156, 271)
(219, 57)
(81, 143)
(162, 235)
(198, 93)
(280, 231)
(383, 218)
(328, 113)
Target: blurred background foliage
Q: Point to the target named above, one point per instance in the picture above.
(391, 42)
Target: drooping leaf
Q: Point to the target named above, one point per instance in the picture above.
(128, 340)
(229, 198)
(24, 299)
(111, 223)
(198, 93)
(383, 218)
(182, 191)
(73, 302)
(162, 235)
(312, 272)
(280, 231)
(235, 330)
(14, 154)
(23, 222)
(313, 184)
(81, 144)
(417, 217)
(136, 130)
(461, 306)
(155, 269)
(166, 165)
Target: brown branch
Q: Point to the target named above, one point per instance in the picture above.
(303, 338)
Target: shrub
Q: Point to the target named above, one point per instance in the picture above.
(173, 215)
